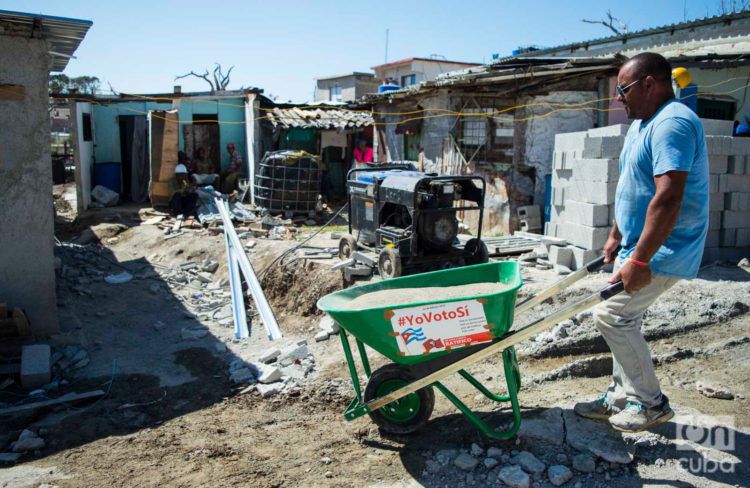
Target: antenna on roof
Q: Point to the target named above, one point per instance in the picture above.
(386, 45)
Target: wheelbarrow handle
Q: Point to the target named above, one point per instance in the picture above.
(562, 284)
(612, 290)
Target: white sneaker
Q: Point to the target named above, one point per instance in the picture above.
(635, 417)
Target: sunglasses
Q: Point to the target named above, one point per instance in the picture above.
(622, 90)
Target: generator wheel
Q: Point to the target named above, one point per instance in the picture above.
(347, 245)
(476, 252)
(405, 415)
(389, 263)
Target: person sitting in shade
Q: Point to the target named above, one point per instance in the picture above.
(184, 200)
(203, 169)
(231, 177)
(362, 154)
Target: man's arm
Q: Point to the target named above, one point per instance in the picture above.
(661, 218)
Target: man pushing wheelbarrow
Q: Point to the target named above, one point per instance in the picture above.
(433, 325)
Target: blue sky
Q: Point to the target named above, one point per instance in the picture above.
(283, 45)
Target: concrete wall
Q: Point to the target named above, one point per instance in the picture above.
(27, 277)
(425, 70)
(352, 88)
(724, 83)
(540, 132)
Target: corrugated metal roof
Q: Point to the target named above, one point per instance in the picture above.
(318, 118)
(63, 34)
(590, 44)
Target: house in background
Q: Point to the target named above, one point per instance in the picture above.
(706, 47)
(410, 71)
(31, 45)
(512, 109)
(113, 136)
(345, 88)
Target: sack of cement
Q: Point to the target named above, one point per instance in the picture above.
(105, 196)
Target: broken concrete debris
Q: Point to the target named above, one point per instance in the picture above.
(714, 391)
(28, 441)
(36, 369)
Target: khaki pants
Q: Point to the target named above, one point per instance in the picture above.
(619, 321)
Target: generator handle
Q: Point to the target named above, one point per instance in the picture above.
(480, 204)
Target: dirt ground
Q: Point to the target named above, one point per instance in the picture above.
(172, 417)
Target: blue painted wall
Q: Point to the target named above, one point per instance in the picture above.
(107, 128)
(229, 111)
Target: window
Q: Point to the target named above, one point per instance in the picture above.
(715, 109)
(86, 122)
(485, 132)
(336, 93)
(474, 126)
(408, 80)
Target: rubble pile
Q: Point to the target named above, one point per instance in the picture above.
(274, 371)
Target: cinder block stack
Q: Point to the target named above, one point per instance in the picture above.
(729, 183)
(584, 181)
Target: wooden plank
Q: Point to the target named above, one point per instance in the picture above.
(13, 93)
(67, 398)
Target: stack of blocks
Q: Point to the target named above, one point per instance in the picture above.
(584, 181)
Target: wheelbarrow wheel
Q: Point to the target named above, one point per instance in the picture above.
(389, 263)
(347, 245)
(403, 416)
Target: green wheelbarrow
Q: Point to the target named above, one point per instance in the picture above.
(429, 341)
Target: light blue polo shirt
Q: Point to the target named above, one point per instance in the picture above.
(672, 139)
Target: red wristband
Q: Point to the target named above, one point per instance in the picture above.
(639, 263)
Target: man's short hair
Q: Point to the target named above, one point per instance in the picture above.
(651, 64)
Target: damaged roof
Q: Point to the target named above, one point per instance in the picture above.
(719, 35)
(509, 70)
(318, 118)
(64, 35)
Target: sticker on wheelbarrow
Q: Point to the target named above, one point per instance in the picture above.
(439, 327)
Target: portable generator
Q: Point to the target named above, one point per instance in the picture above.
(410, 219)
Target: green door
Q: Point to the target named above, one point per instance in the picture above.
(412, 143)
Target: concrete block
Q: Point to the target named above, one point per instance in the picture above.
(716, 201)
(35, 366)
(718, 165)
(595, 169)
(603, 147)
(714, 184)
(731, 254)
(714, 220)
(561, 256)
(740, 146)
(529, 212)
(598, 192)
(561, 178)
(714, 127)
(582, 256)
(552, 229)
(557, 213)
(733, 183)
(736, 201)
(571, 141)
(735, 220)
(743, 237)
(589, 214)
(549, 241)
(585, 236)
(728, 237)
(719, 145)
(558, 196)
(735, 165)
(713, 238)
(610, 130)
(557, 160)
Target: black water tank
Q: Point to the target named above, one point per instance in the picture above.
(288, 181)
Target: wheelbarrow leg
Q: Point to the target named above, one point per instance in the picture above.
(512, 381)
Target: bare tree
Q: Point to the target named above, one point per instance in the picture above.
(613, 23)
(217, 80)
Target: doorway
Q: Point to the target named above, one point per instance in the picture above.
(134, 157)
(203, 132)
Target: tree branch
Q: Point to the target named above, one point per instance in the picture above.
(621, 28)
(203, 77)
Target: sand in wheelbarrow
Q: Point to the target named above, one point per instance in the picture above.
(403, 296)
